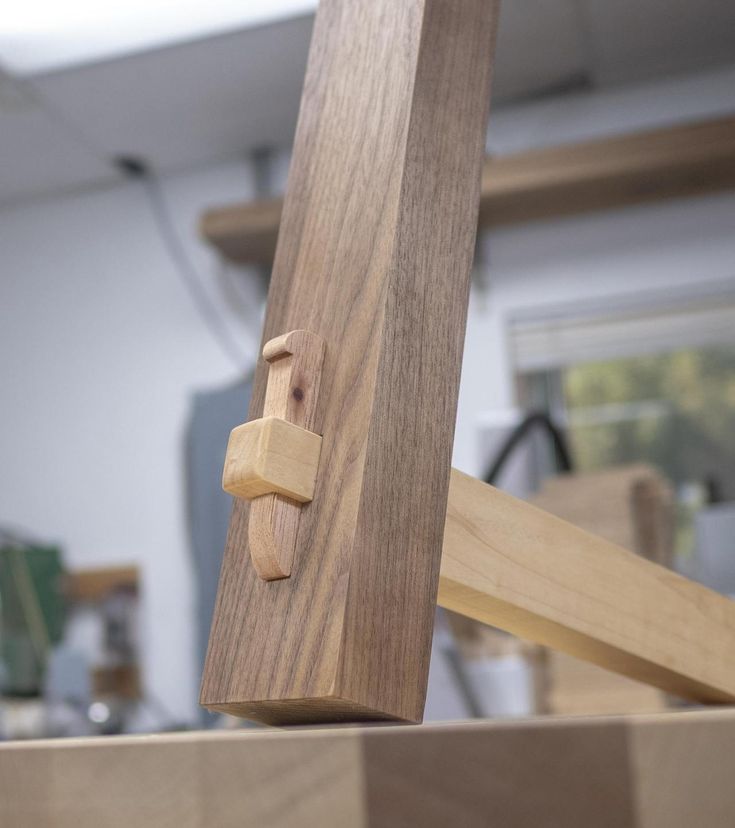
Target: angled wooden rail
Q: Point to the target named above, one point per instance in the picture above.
(511, 565)
(671, 162)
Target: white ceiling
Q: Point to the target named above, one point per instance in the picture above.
(45, 35)
(226, 95)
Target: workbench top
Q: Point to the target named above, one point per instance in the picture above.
(646, 771)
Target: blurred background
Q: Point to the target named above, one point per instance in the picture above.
(144, 148)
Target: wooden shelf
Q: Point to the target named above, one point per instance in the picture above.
(244, 233)
(672, 162)
(96, 584)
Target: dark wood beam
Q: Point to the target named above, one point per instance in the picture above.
(373, 257)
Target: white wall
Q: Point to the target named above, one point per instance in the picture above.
(100, 348)
(688, 244)
(595, 257)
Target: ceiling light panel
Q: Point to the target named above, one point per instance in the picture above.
(44, 35)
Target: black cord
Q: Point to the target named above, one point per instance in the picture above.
(535, 418)
(136, 168)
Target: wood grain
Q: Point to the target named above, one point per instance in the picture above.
(274, 464)
(664, 771)
(670, 162)
(196, 780)
(270, 457)
(683, 769)
(295, 362)
(511, 565)
(374, 255)
(630, 506)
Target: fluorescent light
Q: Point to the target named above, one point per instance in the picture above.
(42, 35)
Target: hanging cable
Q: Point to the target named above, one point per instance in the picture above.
(208, 311)
(542, 420)
(136, 168)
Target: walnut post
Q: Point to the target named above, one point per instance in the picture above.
(373, 256)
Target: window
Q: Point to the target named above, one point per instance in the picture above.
(675, 411)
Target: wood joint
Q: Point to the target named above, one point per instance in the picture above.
(271, 456)
(273, 461)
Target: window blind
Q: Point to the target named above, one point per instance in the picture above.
(558, 339)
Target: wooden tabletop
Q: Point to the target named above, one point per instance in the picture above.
(674, 770)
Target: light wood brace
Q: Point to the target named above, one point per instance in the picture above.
(273, 461)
